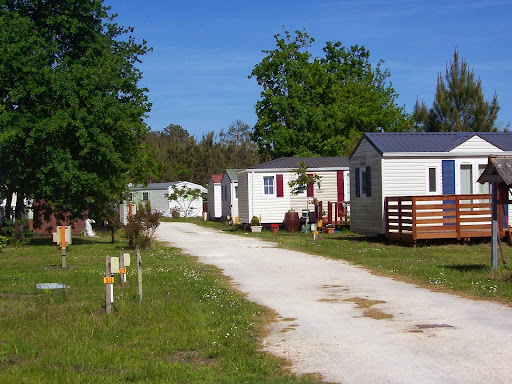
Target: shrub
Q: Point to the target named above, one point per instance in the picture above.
(255, 220)
(19, 232)
(141, 227)
(3, 242)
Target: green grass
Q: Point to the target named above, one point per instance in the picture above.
(463, 269)
(190, 328)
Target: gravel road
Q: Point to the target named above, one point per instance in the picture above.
(350, 326)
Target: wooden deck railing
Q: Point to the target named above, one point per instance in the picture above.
(337, 212)
(412, 218)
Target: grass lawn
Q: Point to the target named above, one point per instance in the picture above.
(463, 269)
(190, 328)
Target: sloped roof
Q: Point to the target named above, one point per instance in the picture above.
(498, 170)
(310, 162)
(432, 141)
(232, 174)
(155, 186)
(217, 178)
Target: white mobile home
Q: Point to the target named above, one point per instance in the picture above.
(416, 164)
(264, 191)
(229, 190)
(214, 197)
(155, 194)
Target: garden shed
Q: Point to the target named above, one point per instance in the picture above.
(215, 197)
(392, 165)
(264, 190)
(229, 190)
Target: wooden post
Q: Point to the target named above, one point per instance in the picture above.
(108, 286)
(413, 217)
(494, 232)
(63, 246)
(122, 267)
(139, 274)
(457, 217)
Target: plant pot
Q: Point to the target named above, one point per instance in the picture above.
(330, 230)
(274, 230)
(291, 221)
(256, 228)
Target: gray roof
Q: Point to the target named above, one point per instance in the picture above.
(498, 170)
(432, 141)
(311, 162)
(232, 174)
(155, 186)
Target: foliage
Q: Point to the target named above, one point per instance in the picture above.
(71, 110)
(184, 197)
(320, 106)
(192, 328)
(141, 227)
(459, 103)
(183, 157)
(255, 221)
(303, 180)
(3, 242)
(18, 231)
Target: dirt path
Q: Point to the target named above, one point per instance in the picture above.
(353, 327)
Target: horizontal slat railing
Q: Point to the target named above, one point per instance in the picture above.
(410, 218)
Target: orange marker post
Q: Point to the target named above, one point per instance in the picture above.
(63, 246)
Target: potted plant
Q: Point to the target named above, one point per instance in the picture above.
(255, 224)
(274, 228)
(330, 228)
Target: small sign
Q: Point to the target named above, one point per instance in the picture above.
(126, 259)
(114, 264)
(122, 270)
(108, 280)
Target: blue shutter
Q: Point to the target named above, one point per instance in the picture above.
(358, 184)
(448, 176)
(368, 181)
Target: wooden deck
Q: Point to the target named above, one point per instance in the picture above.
(461, 217)
(336, 212)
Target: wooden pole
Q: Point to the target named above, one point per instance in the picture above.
(63, 246)
(139, 274)
(494, 232)
(108, 287)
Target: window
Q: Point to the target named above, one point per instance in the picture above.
(363, 182)
(236, 192)
(268, 185)
(225, 193)
(145, 196)
(433, 181)
(483, 188)
(466, 179)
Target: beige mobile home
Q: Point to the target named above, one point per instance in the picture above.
(416, 164)
(263, 189)
(229, 192)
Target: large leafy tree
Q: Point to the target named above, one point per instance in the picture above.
(313, 106)
(71, 109)
(459, 103)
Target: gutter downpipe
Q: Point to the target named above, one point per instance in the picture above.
(251, 214)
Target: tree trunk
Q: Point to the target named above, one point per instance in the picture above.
(20, 206)
(139, 274)
(8, 210)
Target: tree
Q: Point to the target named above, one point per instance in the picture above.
(71, 110)
(184, 197)
(314, 106)
(303, 182)
(459, 103)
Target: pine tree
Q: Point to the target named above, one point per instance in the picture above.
(459, 104)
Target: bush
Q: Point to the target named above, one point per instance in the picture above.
(141, 227)
(3, 242)
(255, 220)
(19, 232)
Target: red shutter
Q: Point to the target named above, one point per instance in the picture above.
(311, 187)
(279, 185)
(341, 185)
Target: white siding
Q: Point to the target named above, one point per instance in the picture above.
(271, 208)
(476, 144)
(243, 198)
(366, 212)
(234, 201)
(214, 200)
(228, 197)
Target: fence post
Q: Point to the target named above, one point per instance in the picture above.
(108, 287)
(413, 218)
(494, 232)
(457, 216)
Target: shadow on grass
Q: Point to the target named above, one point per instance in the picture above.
(466, 267)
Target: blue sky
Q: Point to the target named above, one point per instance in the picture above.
(203, 51)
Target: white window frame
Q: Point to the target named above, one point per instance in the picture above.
(273, 186)
(437, 191)
(142, 196)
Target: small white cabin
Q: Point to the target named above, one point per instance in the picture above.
(416, 164)
(214, 197)
(263, 189)
(229, 190)
(155, 194)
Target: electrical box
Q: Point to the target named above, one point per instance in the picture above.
(114, 264)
